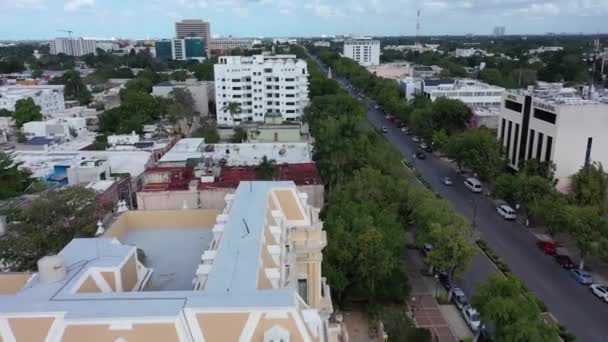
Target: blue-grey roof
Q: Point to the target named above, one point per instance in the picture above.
(39, 141)
(431, 82)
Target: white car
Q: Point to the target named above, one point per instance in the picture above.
(471, 316)
(506, 212)
(601, 291)
(460, 299)
(415, 139)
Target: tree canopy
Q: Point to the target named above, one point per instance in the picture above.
(13, 179)
(590, 187)
(26, 110)
(74, 89)
(478, 150)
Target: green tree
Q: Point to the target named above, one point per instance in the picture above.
(204, 71)
(375, 263)
(515, 316)
(47, 225)
(478, 150)
(37, 73)
(232, 108)
(506, 187)
(179, 75)
(209, 133)
(74, 89)
(590, 187)
(450, 115)
(440, 139)
(13, 179)
(534, 167)
(182, 106)
(240, 135)
(150, 75)
(26, 110)
(5, 112)
(265, 169)
(586, 228)
(137, 85)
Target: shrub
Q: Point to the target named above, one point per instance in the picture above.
(442, 299)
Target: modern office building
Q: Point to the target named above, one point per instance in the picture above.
(73, 46)
(194, 28)
(180, 49)
(555, 124)
(218, 45)
(164, 49)
(364, 51)
(248, 272)
(48, 97)
(261, 85)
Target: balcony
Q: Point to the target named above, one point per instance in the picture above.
(309, 241)
(327, 307)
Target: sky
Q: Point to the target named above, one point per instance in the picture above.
(43, 19)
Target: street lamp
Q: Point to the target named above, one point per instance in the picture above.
(436, 282)
(414, 309)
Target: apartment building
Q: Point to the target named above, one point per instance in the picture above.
(73, 46)
(552, 123)
(364, 51)
(194, 28)
(261, 85)
(48, 97)
(250, 272)
(218, 45)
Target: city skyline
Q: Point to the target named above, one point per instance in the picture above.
(275, 18)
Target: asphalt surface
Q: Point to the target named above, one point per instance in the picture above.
(571, 303)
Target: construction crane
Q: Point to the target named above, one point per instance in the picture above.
(69, 32)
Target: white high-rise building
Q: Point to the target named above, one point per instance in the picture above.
(73, 46)
(262, 85)
(499, 31)
(364, 51)
(48, 97)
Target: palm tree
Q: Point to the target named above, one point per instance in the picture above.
(232, 108)
(265, 170)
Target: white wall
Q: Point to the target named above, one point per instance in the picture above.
(363, 51)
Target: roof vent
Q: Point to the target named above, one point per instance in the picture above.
(51, 269)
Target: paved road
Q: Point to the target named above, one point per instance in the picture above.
(572, 304)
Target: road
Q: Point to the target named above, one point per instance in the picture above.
(572, 304)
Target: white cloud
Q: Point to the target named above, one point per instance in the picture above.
(77, 5)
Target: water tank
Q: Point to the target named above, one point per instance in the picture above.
(51, 268)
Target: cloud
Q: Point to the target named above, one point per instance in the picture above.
(77, 5)
(22, 4)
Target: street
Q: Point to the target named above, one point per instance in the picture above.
(572, 304)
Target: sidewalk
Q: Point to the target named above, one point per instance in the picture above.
(444, 321)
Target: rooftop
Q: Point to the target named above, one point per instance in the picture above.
(557, 94)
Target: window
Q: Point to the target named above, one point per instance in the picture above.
(544, 115)
(531, 144)
(303, 289)
(515, 141)
(539, 148)
(268, 70)
(236, 80)
(513, 106)
(548, 150)
(509, 138)
(588, 152)
(502, 132)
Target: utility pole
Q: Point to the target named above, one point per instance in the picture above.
(596, 44)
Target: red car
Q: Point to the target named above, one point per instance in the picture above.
(564, 261)
(547, 247)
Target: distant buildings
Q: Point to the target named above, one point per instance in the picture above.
(395, 70)
(554, 124)
(364, 51)
(194, 28)
(465, 53)
(424, 71)
(181, 49)
(202, 92)
(322, 43)
(499, 31)
(219, 45)
(63, 128)
(261, 85)
(73, 46)
(48, 97)
(415, 48)
(544, 49)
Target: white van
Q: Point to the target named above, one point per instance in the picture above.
(473, 184)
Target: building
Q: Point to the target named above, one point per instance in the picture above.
(73, 46)
(108, 45)
(250, 272)
(424, 71)
(364, 51)
(470, 52)
(261, 85)
(202, 92)
(164, 49)
(63, 128)
(555, 124)
(544, 49)
(472, 92)
(219, 45)
(499, 31)
(48, 97)
(194, 28)
(322, 43)
(395, 70)
(414, 48)
(181, 49)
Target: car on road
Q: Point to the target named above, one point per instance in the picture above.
(444, 281)
(506, 212)
(582, 277)
(404, 130)
(459, 298)
(472, 184)
(446, 181)
(420, 155)
(426, 147)
(547, 247)
(384, 129)
(564, 261)
(415, 139)
(471, 316)
(601, 291)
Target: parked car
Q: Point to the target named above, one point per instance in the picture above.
(459, 298)
(426, 147)
(471, 316)
(415, 139)
(506, 212)
(384, 129)
(446, 181)
(547, 247)
(601, 291)
(564, 261)
(581, 276)
(472, 184)
(426, 249)
(420, 155)
(405, 130)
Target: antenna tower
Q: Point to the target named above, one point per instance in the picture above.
(418, 28)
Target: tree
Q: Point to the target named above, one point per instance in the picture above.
(140, 85)
(47, 225)
(182, 106)
(179, 75)
(37, 73)
(150, 75)
(477, 150)
(585, 228)
(232, 108)
(375, 262)
(590, 187)
(440, 140)
(13, 179)
(26, 110)
(240, 135)
(506, 187)
(450, 115)
(516, 317)
(74, 88)
(5, 112)
(265, 170)
(209, 133)
(534, 167)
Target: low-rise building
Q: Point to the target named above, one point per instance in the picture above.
(470, 52)
(396, 70)
(364, 50)
(426, 71)
(63, 128)
(470, 91)
(551, 123)
(250, 272)
(219, 45)
(544, 49)
(48, 97)
(202, 92)
(73, 46)
(321, 43)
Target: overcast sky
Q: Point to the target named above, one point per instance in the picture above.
(33, 19)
